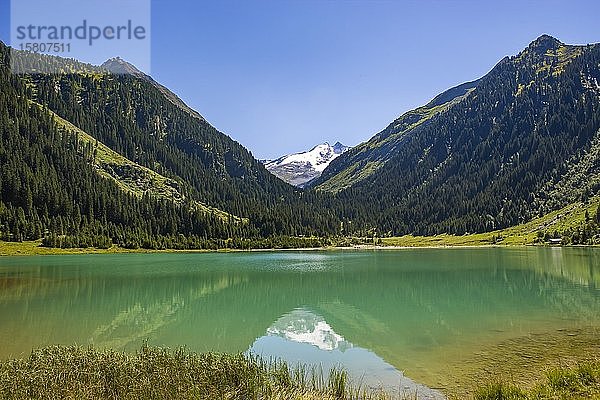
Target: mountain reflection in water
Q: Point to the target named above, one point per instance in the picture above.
(302, 336)
(426, 312)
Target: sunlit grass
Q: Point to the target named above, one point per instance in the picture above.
(569, 217)
(156, 373)
(579, 382)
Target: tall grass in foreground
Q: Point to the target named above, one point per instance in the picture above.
(73, 372)
(581, 382)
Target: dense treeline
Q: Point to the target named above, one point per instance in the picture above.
(480, 165)
(587, 233)
(49, 189)
(133, 116)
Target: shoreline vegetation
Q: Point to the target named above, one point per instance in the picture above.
(73, 372)
(89, 373)
(575, 224)
(35, 248)
(76, 372)
(526, 362)
(581, 381)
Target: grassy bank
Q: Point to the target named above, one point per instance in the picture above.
(154, 373)
(30, 248)
(37, 248)
(568, 219)
(34, 248)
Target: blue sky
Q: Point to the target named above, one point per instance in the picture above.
(93, 13)
(282, 76)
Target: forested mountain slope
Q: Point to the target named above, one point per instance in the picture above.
(515, 144)
(90, 157)
(365, 159)
(55, 127)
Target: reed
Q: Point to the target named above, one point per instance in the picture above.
(74, 372)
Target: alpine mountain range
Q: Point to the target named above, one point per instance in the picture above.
(107, 155)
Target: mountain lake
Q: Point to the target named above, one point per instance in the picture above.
(425, 321)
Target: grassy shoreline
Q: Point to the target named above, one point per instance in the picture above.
(74, 372)
(34, 248)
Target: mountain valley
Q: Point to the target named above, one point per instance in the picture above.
(107, 156)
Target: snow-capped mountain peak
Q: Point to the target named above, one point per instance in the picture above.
(318, 157)
(299, 168)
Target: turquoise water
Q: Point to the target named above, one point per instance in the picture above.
(378, 313)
